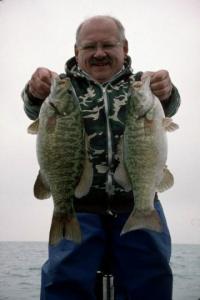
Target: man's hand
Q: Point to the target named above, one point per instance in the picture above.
(40, 83)
(160, 84)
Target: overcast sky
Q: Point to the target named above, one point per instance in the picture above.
(161, 34)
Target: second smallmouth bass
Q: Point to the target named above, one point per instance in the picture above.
(143, 152)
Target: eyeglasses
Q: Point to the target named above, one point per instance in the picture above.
(107, 46)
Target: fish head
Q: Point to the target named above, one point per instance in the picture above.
(143, 98)
(60, 97)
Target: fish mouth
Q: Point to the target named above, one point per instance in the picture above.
(56, 109)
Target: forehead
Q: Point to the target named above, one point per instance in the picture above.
(98, 30)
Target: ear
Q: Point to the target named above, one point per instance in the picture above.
(76, 51)
(125, 47)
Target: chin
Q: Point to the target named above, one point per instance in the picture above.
(102, 77)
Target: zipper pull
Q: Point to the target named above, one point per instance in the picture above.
(109, 185)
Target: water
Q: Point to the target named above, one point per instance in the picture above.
(20, 264)
(185, 264)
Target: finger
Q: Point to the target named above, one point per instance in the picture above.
(45, 75)
(146, 74)
(163, 94)
(160, 76)
(40, 83)
(38, 88)
(161, 84)
(41, 95)
(164, 97)
(54, 74)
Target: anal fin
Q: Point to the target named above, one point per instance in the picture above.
(166, 182)
(41, 189)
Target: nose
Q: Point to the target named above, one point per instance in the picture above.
(99, 52)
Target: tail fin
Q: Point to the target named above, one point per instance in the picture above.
(143, 220)
(63, 226)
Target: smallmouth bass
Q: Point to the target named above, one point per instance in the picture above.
(143, 152)
(61, 157)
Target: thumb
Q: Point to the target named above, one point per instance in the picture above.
(53, 74)
(147, 74)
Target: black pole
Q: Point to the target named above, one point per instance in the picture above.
(104, 281)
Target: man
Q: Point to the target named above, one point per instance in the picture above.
(101, 74)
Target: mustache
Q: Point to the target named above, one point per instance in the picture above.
(103, 60)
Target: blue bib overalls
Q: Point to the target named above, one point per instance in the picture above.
(139, 261)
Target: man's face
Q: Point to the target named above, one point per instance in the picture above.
(100, 52)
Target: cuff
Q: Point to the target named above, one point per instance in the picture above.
(171, 105)
(31, 104)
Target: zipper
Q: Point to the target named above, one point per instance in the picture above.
(75, 95)
(77, 100)
(109, 185)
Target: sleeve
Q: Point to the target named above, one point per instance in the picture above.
(32, 105)
(172, 104)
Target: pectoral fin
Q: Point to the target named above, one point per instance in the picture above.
(120, 174)
(86, 179)
(121, 177)
(85, 182)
